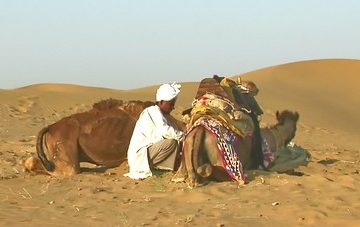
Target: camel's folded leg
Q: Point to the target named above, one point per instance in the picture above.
(32, 165)
(181, 174)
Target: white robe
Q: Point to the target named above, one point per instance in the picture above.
(150, 128)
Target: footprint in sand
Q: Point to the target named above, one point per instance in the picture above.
(3, 109)
(80, 107)
(25, 104)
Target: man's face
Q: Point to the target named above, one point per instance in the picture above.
(167, 106)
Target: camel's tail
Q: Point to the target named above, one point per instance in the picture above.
(49, 166)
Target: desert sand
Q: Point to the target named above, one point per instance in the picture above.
(325, 192)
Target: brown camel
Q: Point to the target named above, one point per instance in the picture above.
(100, 136)
(202, 160)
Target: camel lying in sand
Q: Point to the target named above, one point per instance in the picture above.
(100, 136)
(224, 137)
(202, 159)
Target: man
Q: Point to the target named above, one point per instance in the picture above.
(155, 141)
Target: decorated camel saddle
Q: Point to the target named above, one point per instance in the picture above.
(240, 93)
(224, 139)
(216, 98)
(227, 110)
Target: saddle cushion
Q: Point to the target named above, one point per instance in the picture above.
(223, 110)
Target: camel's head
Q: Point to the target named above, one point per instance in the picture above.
(135, 107)
(289, 120)
(108, 104)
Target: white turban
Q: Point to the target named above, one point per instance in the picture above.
(167, 92)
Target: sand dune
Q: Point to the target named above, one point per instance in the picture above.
(324, 91)
(326, 191)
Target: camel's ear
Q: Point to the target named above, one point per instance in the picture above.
(297, 116)
(277, 115)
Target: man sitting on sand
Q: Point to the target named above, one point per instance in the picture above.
(155, 141)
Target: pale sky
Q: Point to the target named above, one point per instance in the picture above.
(127, 44)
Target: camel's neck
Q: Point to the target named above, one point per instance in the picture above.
(280, 133)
